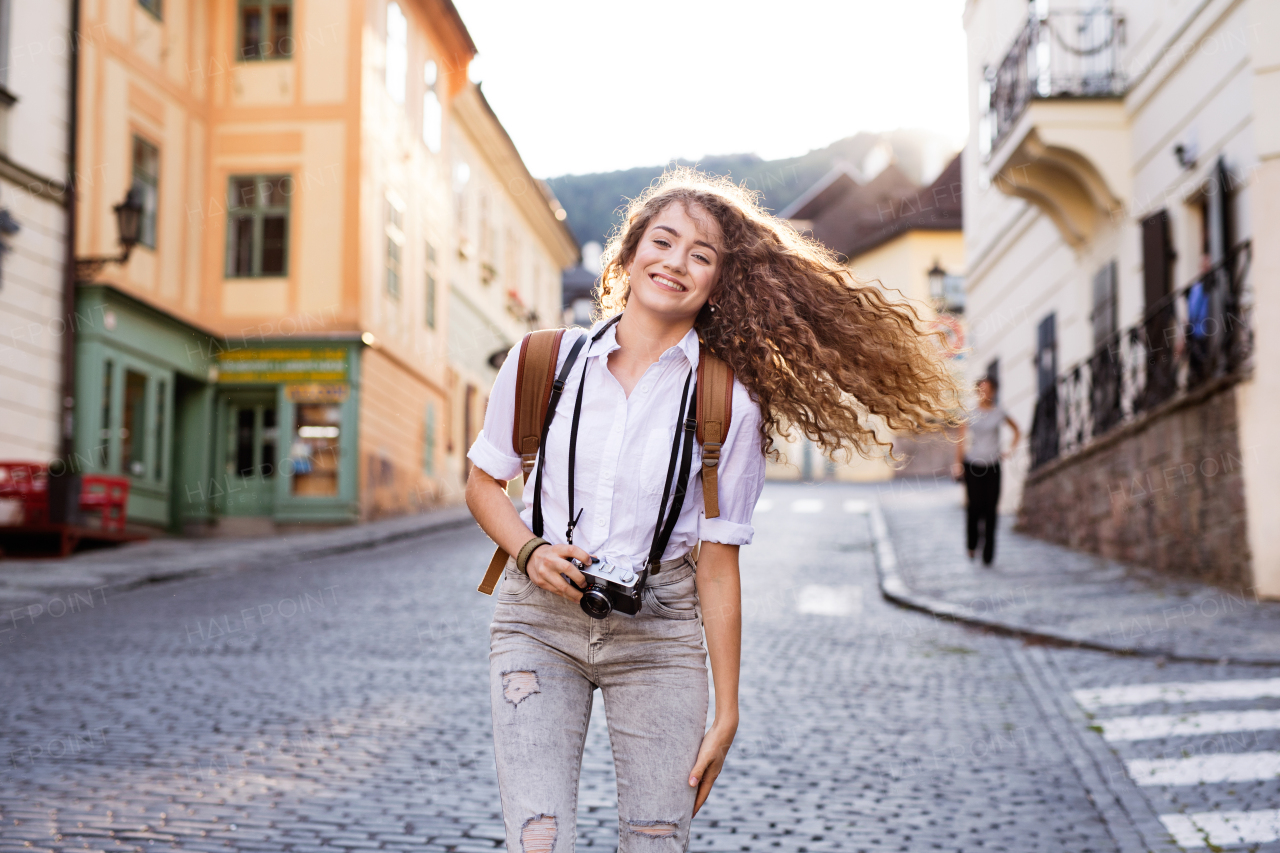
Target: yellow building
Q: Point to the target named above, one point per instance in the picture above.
(277, 348)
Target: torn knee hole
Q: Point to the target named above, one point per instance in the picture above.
(538, 835)
(518, 686)
(655, 828)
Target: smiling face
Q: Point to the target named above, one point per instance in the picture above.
(677, 263)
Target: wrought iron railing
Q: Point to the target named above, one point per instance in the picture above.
(1058, 54)
(1194, 335)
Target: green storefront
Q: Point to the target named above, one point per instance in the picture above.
(208, 428)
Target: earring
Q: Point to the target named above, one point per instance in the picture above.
(713, 308)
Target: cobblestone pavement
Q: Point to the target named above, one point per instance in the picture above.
(1045, 588)
(341, 703)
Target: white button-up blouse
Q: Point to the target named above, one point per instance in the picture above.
(624, 447)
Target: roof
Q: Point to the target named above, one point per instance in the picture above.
(937, 207)
(843, 211)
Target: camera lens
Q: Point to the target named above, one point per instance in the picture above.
(595, 603)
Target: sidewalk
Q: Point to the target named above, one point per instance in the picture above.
(95, 575)
(1042, 590)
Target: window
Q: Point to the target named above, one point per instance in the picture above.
(315, 449)
(104, 434)
(152, 6)
(397, 52)
(157, 472)
(1104, 305)
(133, 445)
(266, 29)
(258, 225)
(432, 114)
(1046, 355)
(146, 182)
(395, 248)
(993, 373)
(429, 441)
(429, 313)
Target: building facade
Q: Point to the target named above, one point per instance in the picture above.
(1122, 173)
(35, 98)
(277, 348)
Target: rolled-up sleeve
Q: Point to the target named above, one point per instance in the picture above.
(492, 451)
(741, 476)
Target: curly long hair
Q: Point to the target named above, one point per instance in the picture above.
(821, 352)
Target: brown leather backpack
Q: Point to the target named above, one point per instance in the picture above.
(539, 354)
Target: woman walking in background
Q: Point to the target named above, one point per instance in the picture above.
(978, 462)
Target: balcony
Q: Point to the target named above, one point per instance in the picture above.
(1197, 339)
(1054, 131)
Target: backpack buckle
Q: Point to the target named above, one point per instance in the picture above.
(690, 424)
(711, 454)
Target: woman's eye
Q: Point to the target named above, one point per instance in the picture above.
(661, 242)
(703, 258)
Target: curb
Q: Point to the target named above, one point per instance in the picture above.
(896, 591)
(448, 519)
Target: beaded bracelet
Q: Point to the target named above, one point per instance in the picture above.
(522, 559)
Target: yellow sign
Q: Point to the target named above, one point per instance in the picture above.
(271, 366)
(316, 393)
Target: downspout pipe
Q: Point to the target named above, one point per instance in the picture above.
(64, 482)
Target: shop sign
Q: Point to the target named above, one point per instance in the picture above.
(320, 365)
(316, 393)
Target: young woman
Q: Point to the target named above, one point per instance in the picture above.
(977, 462)
(812, 350)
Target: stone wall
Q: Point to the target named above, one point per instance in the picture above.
(1166, 492)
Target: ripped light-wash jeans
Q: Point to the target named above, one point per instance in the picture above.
(546, 658)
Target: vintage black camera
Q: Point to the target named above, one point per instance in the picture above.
(611, 587)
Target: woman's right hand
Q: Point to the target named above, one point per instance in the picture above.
(549, 562)
(957, 471)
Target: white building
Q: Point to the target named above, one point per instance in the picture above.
(35, 56)
(1120, 235)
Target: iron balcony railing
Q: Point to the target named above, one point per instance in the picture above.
(1194, 335)
(1058, 54)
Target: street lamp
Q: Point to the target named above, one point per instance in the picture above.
(937, 281)
(128, 225)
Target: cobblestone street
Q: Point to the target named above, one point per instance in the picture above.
(342, 704)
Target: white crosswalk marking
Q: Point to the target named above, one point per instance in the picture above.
(829, 600)
(857, 507)
(1092, 699)
(1205, 769)
(1204, 829)
(807, 505)
(1222, 828)
(1193, 723)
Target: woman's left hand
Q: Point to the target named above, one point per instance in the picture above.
(711, 755)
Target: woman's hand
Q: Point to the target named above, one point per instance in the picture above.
(957, 471)
(711, 755)
(548, 562)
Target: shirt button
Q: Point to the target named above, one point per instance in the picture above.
(599, 522)
(644, 389)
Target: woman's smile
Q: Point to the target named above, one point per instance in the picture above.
(666, 282)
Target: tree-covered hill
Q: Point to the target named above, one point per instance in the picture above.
(593, 201)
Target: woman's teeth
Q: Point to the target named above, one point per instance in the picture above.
(669, 283)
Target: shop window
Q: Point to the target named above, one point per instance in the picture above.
(258, 226)
(157, 472)
(270, 438)
(104, 434)
(266, 29)
(146, 183)
(133, 444)
(397, 52)
(395, 248)
(152, 6)
(315, 449)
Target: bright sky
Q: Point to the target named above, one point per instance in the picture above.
(596, 85)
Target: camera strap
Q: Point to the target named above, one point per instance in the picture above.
(556, 389)
(681, 451)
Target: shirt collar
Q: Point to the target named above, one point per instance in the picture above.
(609, 342)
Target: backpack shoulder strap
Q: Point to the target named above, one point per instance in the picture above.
(715, 412)
(539, 354)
